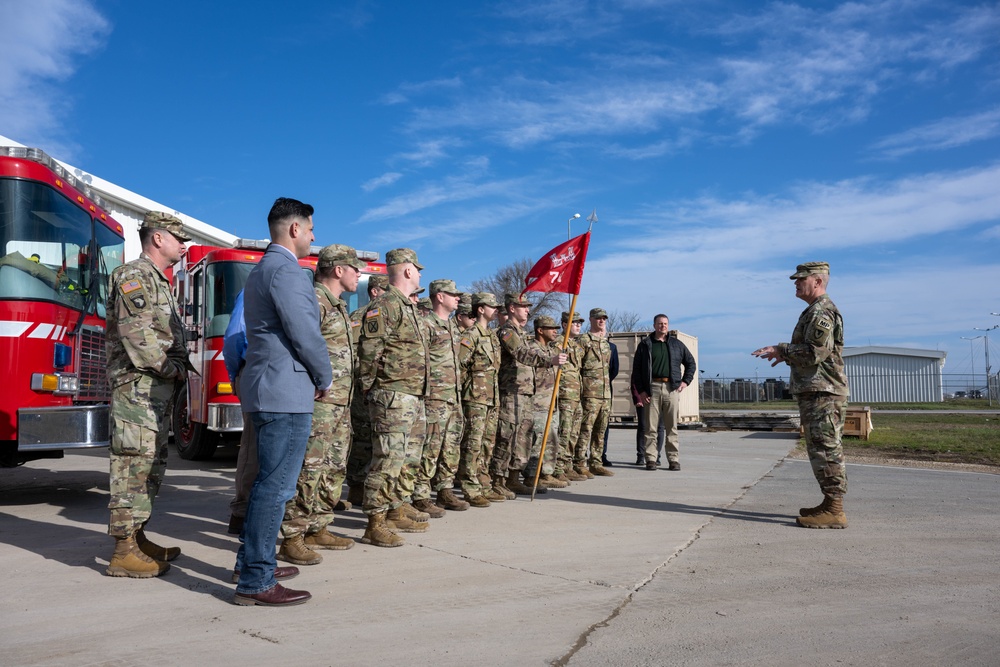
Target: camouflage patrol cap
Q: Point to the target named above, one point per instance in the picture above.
(577, 317)
(810, 269)
(379, 281)
(339, 255)
(464, 305)
(597, 313)
(514, 299)
(166, 222)
(502, 309)
(419, 290)
(484, 299)
(425, 303)
(402, 256)
(446, 286)
(545, 322)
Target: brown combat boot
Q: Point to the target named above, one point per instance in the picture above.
(397, 519)
(343, 506)
(833, 517)
(324, 539)
(551, 482)
(410, 511)
(447, 499)
(573, 476)
(356, 494)
(562, 478)
(155, 551)
(491, 494)
(819, 509)
(378, 533)
(600, 471)
(515, 485)
(583, 470)
(500, 486)
(427, 506)
(129, 561)
(480, 500)
(294, 550)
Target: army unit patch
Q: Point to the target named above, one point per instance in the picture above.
(373, 326)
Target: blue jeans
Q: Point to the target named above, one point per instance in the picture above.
(281, 448)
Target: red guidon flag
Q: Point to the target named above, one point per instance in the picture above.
(561, 270)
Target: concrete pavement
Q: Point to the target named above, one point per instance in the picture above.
(700, 567)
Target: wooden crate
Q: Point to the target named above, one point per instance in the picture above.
(858, 422)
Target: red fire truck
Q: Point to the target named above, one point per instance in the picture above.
(57, 248)
(207, 282)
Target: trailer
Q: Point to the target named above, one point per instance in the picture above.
(622, 405)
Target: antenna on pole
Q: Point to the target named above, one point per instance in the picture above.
(592, 218)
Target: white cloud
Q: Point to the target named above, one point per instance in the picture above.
(41, 45)
(942, 134)
(385, 179)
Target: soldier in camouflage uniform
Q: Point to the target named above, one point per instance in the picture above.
(463, 314)
(595, 383)
(443, 406)
(147, 366)
(321, 479)
(819, 382)
(570, 408)
(479, 354)
(517, 384)
(546, 331)
(360, 457)
(393, 369)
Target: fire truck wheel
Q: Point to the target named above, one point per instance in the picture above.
(194, 441)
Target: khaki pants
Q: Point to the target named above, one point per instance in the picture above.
(665, 409)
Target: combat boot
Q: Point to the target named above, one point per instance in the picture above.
(128, 560)
(398, 520)
(429, 508)
(573, 476)
(601, 471)
(324, 539)
(819, 509)
(478, 501)
(550, 482)
(356, 494)
(515, 485)
(501, 488)
(492, 495)
(378, 533)
(833, 517)
(409, 510)
(155, 551)
(294, 550)
(343, 506)
(563, 478)
(583, 470)
(447, 499)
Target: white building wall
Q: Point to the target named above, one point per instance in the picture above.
(894, 375)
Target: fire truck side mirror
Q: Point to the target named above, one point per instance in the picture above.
(191, 335)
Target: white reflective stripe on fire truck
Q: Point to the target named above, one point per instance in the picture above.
(212, 355)
(42, 331)
(12, 329)
(60, 330)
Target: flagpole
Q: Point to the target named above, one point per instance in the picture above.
(552, 403)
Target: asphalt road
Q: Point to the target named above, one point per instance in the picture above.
(699, 567)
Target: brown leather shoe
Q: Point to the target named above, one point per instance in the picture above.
(280, 573)
(674, 465)
(276, 596)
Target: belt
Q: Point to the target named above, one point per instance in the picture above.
(661, 379)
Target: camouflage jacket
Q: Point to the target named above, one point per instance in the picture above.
(595, 358)
(335, 326)
(393, 349)
(569, 381)
(479, 355)
(518, 360)
(545, 378)
(445, 373)
(144, 330)
(815, 353)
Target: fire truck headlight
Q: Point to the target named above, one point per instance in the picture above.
(224, 388)
(58, 383)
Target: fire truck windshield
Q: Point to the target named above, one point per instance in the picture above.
(223, 281)
(111, 253)
(44, 244)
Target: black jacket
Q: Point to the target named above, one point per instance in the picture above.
(642, 365)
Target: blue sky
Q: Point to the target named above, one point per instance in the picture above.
(721, 143)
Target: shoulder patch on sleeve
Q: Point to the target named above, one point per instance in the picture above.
(506, 334)
(355, 324)
(374, 326)
(467, 343)
(825, 324)
(134, 296)
(130, 286)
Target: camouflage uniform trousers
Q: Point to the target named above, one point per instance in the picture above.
(140, 421)
(398, 430)
(477, 446)
(822, 416)
(440, 455)
(324, 468)
(514, 437)
(593, 424)
(570, 420)
(360, 458)
(540, 413)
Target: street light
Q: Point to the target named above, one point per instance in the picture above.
(569, 235)
(972, 363)
(986, 344)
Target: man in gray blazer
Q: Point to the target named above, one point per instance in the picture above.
(287, 368)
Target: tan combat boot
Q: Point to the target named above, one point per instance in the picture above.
(479, 500)
(551, 482)
(491, 494)
(429, 508)
(324, 539)
(573, 476)
(410, 511)
(600, 471)
(561, 476)
(819, 509)
(833, 517)
(398, 520)
(584, 471)
(294, 550)
(155, 551)
(378, 533)
(447, 499)
(129, 561)
(514, 484)
(500, 487)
